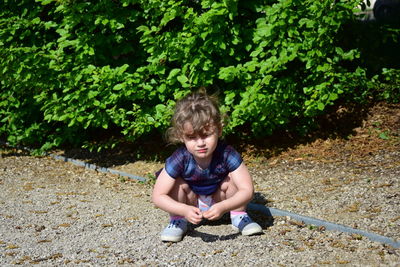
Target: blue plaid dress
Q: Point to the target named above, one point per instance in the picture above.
(182, 164)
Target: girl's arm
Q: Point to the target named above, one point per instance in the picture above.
(160, 197)
(242, 180)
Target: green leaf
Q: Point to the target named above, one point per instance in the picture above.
(173, 73)
(227, 74)
(168, 16)
(45, 2)
(333, 96)
(182, 79)
(339, 50)
(383, 136)
(92, 94)
(119, 86)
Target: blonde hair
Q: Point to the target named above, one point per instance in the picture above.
(198, 109)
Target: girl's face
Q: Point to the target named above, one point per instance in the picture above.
(201, 145)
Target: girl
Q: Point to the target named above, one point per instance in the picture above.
(205, 178)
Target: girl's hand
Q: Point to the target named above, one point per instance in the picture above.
(215, 212)
(193, 215)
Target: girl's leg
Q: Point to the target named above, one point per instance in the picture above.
(226, 190)
(239, 217)
(177, 226)
(182, 193)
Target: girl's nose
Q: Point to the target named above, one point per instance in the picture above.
(200, 141)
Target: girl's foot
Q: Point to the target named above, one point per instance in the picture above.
(245, 225)
(174, 231)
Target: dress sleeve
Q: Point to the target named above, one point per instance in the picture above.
(174, 165)
(233, 158)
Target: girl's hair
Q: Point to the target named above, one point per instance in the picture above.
(200, 110)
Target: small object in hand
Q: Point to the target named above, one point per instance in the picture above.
(204, 202)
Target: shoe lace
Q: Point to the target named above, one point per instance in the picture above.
(174, 224)
(245, 219)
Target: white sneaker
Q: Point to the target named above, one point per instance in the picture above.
(245, 225)
(174, 231)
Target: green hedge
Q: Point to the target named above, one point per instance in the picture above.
(71, 70)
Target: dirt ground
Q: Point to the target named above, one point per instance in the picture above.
(54, 213)
(346, 134)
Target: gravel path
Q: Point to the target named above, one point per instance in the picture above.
(54, 213)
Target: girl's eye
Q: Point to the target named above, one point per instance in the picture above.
(205, 135)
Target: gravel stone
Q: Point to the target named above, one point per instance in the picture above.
(54, 213)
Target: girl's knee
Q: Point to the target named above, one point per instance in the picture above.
(226, 190)
(182, 192)
(181, 185)
(228, 185)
